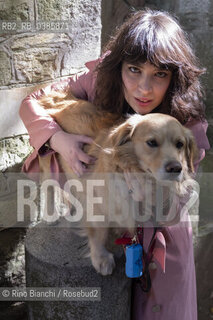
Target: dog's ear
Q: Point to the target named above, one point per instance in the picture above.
(122, 151)
(122, 134)
(190, 150)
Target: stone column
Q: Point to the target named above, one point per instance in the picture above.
(55, 258)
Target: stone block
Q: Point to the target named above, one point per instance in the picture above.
(53, 9)
(47, 56)
(5, 75)
(85, 14)
(78, 13)
(36, 65)
(17, 10)
(13, 151)
(86, 44)
(39, 40)
(10, 101)
(13, 209)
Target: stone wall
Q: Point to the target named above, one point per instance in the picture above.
(37, 55)
(40, 42)
(34, 52)
(113, 14)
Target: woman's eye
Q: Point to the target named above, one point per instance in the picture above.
(161, 74)
(134, 69)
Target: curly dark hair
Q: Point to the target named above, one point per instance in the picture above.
(156, 37)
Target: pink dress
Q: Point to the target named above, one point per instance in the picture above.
(173, 292)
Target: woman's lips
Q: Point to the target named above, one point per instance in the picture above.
(143, 102)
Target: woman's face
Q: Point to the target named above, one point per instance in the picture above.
(144, 85)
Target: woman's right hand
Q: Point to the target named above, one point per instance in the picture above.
(70, 146)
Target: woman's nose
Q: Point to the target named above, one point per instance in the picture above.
(145, 84)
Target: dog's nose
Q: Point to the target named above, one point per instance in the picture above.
(173, 167)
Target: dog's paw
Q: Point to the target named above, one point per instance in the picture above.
(104, 264)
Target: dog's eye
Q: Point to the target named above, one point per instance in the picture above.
(179, 145)
(152, 143)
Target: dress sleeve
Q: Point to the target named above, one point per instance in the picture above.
(38, 123)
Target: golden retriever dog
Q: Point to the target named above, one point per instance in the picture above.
(155, 144)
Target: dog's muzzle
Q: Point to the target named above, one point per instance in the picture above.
(173, 170)
(173, 167)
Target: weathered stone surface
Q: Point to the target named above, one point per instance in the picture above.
(37, 65)
(38, 57)
(13, 151)
(10, 101)
(47, 56)
(114, 13)
(64, 265)
(2, 39)
(85, 14)
(12, 270)
(53, 9)
(12, 267)
(5, 74)
(16, 10)
(39, 40)
(86, 44)
(84, 30)
(13, 209)
(79, 13)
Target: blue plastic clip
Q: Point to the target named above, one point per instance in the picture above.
(134, 264)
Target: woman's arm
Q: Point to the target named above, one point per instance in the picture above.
(39, 124)
(41, 127)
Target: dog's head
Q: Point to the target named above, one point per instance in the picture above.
(154, 143)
